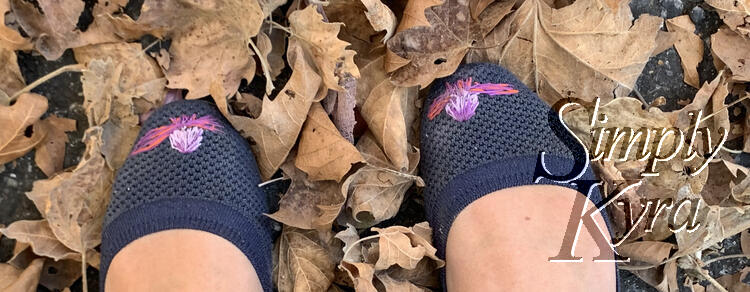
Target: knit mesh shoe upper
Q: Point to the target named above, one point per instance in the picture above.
(190, 169)
(497, 147)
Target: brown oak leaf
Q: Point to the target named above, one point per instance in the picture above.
(319, 40)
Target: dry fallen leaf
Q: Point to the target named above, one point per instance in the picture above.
(53, 27)
(322, 152)
(689, 46)
(275, 132)
(402, 246)
(11, 80)
(74, 202)
(18, 136)
(650, 252)
(303, 261)
(431, 40)
(733, 50)
(209, 41)
(381, 17)
(396, 256)
(10, 39)
(120, 83)
(734, 13)
(562, 52)
(377, 190)
(41, 238)
(308, 204)
(319, 39)
(13, 279)
(50, 153)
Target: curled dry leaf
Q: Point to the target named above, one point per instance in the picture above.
(39, 235)
(322, 152)
(50, 153)
(361, 274)
(275, 131)
(209, 41)
(377, 190)
(560, 53)
(689, 46)
(734, 50)
(392, 250)
(319, 40)
(74, 202)
(308, 204)
(13, 279)
(120, 83)
(303, 261)
(139, 70)
(17, 135)
(403, 246)
(381, 17)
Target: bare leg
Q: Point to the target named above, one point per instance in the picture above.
(502, 242)
(181, 260)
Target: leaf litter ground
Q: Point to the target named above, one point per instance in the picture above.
(659, 83)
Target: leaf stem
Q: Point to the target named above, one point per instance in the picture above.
(264, 66)
(726, 257)
(84, 280)
(45, 78)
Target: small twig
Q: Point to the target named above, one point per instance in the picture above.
(272, 181)
(640, 97)
(712, 280)
(151, 45)
(84, 265)
(725, 107)
(359, 241)
(726, 257)
(719, 110)
(731, 150)
(264, 66)
(53, 74)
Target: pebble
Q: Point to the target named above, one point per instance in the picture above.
(697, 14)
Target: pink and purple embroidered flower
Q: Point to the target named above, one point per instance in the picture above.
(185, 134)
(461, 100)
